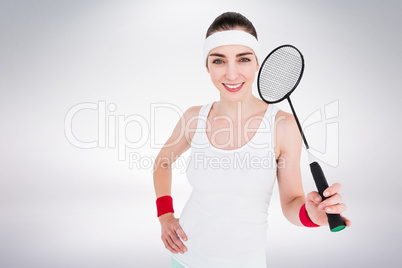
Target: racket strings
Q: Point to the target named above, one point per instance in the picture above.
(280, 73)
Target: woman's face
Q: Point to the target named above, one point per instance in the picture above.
(232, 69)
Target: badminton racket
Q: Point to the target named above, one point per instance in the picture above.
(279, 75)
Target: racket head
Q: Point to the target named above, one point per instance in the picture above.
(280, 73)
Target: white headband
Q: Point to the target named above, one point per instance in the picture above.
(232, 37)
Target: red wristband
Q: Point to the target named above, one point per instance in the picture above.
(305, 219)
(164, 204)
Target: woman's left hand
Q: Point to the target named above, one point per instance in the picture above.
(317, 209)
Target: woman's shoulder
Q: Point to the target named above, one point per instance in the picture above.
(193, 111)
(287, 132)
(286, 124)
(284, 118)
(191, 116)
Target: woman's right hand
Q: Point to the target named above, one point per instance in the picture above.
(171, 230)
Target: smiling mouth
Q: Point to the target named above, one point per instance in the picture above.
(233, 87)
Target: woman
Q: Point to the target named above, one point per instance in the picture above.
(239, 145)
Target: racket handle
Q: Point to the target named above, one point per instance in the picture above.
(335, 221)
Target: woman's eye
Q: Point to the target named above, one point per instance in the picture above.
(244, 59)
(217, 61)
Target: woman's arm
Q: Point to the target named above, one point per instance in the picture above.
(288, 148)
(177, 144)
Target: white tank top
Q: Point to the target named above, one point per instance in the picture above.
(226, 216)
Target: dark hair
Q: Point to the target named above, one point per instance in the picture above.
(229, 21)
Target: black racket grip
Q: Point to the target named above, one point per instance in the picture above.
(335, 221)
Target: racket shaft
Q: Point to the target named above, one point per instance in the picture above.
(335, 220)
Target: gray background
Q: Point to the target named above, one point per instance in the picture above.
(63, 206)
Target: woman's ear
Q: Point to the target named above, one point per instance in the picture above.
(206, 64)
